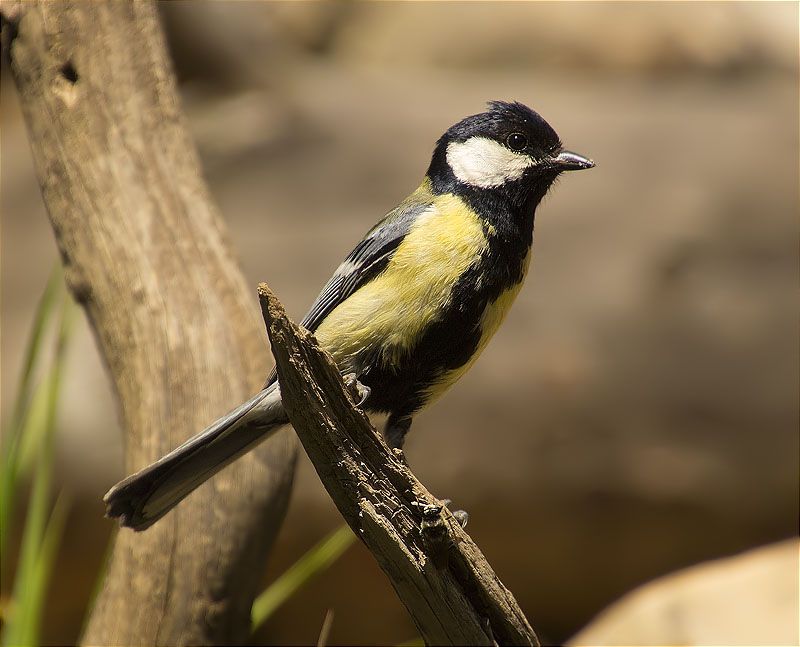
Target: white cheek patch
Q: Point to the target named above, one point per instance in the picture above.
(485, 163)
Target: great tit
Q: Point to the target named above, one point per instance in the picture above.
(409, 310)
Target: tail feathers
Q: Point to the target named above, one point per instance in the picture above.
(143, 498)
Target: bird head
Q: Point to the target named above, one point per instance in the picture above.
(509, 151)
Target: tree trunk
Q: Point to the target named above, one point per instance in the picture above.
(146, 254)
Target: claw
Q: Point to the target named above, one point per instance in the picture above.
(362, 390)
(462, 516)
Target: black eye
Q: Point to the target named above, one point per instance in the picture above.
(516, 141)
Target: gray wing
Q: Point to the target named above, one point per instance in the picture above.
(367, 260)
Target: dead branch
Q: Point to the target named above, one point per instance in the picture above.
(440, 575)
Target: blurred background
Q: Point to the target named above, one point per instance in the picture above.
(638, 411)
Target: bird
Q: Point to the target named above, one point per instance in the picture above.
(411, 307)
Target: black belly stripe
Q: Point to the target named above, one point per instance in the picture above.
(447, 344)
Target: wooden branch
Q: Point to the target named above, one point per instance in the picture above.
(147, 255)
(441, 576)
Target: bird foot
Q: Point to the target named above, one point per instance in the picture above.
(357, 389)
(462, 516)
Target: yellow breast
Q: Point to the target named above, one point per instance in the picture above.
(393, 310)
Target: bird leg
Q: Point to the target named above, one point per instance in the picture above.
(395, 431)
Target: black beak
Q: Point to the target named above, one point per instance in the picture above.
(568, 161)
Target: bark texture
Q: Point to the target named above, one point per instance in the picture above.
(147, 255)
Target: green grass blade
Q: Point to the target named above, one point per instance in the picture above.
(314, 562)
(43, 570)
(42, 316)
(20, 629)
(9, 456)
(34, 429)
(33, 573)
